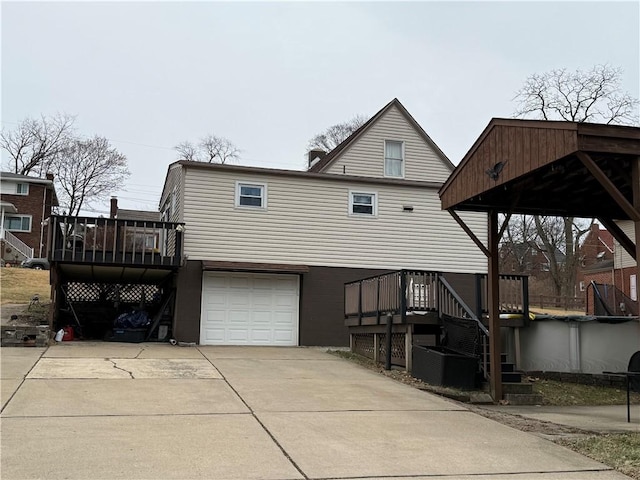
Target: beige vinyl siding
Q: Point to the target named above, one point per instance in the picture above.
(365, 157)
(307, 222)
(621, 258)
(172, 193)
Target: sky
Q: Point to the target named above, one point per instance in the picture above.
(270, 75)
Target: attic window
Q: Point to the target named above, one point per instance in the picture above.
(393, 159)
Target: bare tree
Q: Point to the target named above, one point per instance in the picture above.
(562, 235)
(187, 151)
(35, 143)
(594, 95)
(210, 149)
(88, 170)
(336, 134)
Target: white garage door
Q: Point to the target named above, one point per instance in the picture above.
(249, 309)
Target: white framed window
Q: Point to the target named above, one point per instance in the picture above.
(22, 189)
(582, 288)
(393, 159)
(251, 195)
(17, 223)
(363, 203)
(633, 287)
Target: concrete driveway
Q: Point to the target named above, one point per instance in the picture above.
(154, 411)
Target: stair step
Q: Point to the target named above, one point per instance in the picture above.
(505, 368)
(508, 367)
(523, 398)
(513, 377)
(517, 388)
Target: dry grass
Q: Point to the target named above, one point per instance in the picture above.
(620, 450)
(18, 285)
(567, 394)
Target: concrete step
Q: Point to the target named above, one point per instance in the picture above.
(522, 398)
(517, 388)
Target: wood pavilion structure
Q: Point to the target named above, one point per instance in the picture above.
(545, 168)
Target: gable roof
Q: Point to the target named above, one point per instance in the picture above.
(334, 154)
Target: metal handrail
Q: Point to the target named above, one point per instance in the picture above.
(472, 316)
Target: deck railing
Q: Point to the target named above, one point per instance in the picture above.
(109, 241)
(514, 294)
(392, 294)
(402, 291)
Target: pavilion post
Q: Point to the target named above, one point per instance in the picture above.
(494, 309)
(635, 181)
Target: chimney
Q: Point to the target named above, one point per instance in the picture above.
(49, 176)
(113, 212)
(315, 156)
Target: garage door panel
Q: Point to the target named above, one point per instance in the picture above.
(249, 309)
(240, 282)
(282, 337)
(262, 318)
(262, 300)
(214, 335)
(283, 318)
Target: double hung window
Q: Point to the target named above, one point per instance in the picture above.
(393, 159)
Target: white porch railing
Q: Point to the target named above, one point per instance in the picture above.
(17, 244)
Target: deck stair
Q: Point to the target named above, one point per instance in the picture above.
(403, 303)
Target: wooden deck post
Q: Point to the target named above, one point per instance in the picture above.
(635, 182)
(493, 285)
(408, 345)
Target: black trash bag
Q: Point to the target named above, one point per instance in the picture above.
(134, 319)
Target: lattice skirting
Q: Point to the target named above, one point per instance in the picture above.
(366, 344)
(125, 293)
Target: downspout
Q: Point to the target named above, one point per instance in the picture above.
(44, 202)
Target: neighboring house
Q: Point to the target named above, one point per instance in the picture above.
(596, 259)
(528, 258)
(25, 204)
(268, 251)
(624, 277)
(140, 234)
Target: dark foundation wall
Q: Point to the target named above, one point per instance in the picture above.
(322, 304)
(186, 320)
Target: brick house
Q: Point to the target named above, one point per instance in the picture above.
(596, 259)
(25, 204)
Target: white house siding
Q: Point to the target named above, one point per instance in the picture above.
(365, 157)
(621, 258)
(307, 222)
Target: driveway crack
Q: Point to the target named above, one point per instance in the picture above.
(115, 365)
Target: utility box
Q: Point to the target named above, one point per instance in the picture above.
(440, 366)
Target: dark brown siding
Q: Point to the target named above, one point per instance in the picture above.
(322, 304)
(521, 149)
(186, 320)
